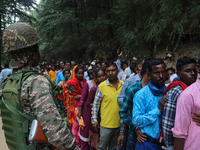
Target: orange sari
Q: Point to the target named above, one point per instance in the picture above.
(71, 105)
(68, 100)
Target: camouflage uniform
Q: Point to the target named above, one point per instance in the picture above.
(37, 100)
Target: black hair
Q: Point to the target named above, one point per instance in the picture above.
(131, 59)
(53, 65)
(67, 69)
(86, 63)
(97, 69)
(154, 62)
(78, 67)
(124, 62)
(98, 62)
(57, 66)
(133, 66)
(171, 68)
(90, 72)
(111, 64)
(184, 61)
(146, 65)
(67, 61)
(6, 65)
(140, 61)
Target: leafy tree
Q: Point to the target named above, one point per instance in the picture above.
(90, 29)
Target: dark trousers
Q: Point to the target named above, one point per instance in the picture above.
(131, 142)
(147, 146)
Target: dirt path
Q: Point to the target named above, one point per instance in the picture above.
(3, 145)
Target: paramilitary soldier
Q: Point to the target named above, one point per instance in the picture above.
(36, 98)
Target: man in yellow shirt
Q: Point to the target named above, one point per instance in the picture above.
(52, 73)
(106, 98)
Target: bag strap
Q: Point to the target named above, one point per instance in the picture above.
(14, 110)
(22, 77)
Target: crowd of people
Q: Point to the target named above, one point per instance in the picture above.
(140, 105)
(130, 106)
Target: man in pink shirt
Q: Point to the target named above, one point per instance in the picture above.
(186, 129)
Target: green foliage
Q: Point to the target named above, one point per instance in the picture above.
(85, 29)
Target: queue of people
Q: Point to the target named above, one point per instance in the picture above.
(135, 114)
(110, 106)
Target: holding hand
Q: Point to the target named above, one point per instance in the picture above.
(119, 53)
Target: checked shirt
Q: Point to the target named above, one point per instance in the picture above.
(169, 112)
(125, 111)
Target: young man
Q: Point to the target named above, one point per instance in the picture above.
(186, 71)
(127, 106)
(106, 98)
(186, 128)
(121, 75)
(127, 71)
(61, 64)
(170, 71)
(131, 81)
(60, 76)
(148, 105)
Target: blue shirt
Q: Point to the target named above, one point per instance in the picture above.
(4, 73)
(146, 115)
(128, 82)
(59, 78)
(86, 76)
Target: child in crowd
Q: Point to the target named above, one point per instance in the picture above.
(52, 73)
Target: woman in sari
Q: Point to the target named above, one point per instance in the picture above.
(84, 110)
(75, 88)
(68, 99)
(62, 85)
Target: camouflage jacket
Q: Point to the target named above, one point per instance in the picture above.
(37, 100)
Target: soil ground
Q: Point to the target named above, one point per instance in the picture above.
(3, 145)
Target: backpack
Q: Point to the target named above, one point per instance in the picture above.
(15, 122)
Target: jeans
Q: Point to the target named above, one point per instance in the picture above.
(147, 146)
(108, 138)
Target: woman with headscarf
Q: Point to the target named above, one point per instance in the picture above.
(75, 88)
